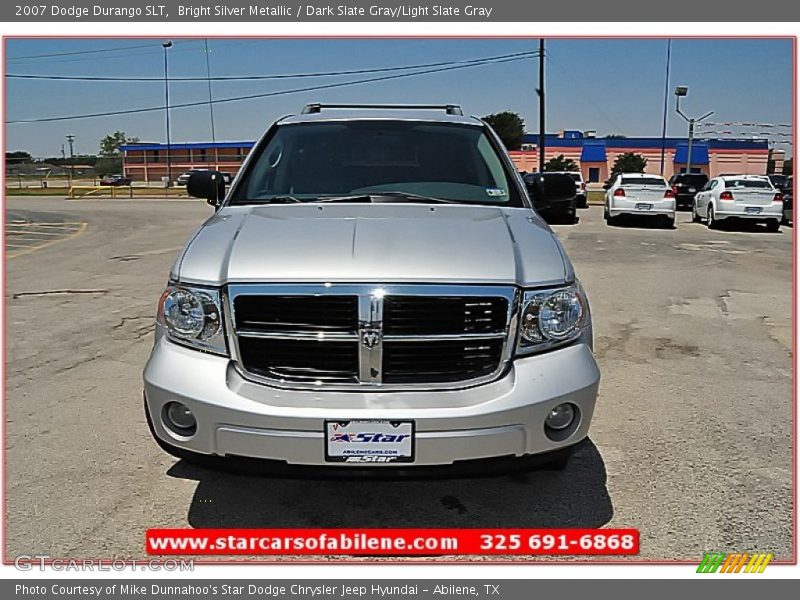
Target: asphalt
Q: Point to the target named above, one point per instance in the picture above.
(691, 441)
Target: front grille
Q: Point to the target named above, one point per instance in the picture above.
(415, 315)
(440, 361)
(297, 313)
(308, 361)
(307, 335)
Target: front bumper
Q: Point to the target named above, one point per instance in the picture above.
(237, 417)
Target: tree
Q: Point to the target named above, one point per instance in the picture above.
(108, 165)
(629, 162)
(788, 166)
(109, 145)
(560, 163)
(18, 157)
(509, 126)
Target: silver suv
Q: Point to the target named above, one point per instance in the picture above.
(374, 290)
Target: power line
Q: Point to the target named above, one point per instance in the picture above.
(482, 62)
(96, 51)
(266, 77)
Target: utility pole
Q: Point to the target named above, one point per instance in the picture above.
(210, 96)
(540, 92)
(71, 141)
(166, 45)
(666, 101)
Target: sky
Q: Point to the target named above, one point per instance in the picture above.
(611, 86)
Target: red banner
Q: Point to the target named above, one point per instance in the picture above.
(391, 542)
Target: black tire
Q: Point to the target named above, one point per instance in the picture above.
(669, 223)
(712, 224)
(557, 460)
(773, 226)
(695, 216)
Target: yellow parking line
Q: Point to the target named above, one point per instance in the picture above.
(74, 234)
(18, 233)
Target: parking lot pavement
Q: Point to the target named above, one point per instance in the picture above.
(691, 441)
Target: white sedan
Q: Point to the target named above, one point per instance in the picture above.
(750, 197)
(640, 194)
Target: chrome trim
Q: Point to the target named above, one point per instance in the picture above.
(444, 337)
(326, 336)
(370, 319)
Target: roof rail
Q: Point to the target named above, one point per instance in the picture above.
(450, 109)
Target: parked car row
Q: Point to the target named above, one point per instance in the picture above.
(727, 197)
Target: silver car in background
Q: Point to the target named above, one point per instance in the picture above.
(640, 194)
(375, 290)
(746, 197)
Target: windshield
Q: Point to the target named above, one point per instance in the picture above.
(575, 176)
(658, 181)
(748, 183)
(309, 161)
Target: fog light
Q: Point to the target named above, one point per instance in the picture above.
(180, 418)
(560, 417)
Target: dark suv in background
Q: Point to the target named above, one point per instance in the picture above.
(554, 196)
(685, 186)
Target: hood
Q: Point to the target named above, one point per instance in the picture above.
(392, 243)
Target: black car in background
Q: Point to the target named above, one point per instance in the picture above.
(554, 196)
(115, 180)
(788, 200)
(779, 181)
(685, 186)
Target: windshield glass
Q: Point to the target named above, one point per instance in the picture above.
(748, 183)
(306, 161)
(644, 181)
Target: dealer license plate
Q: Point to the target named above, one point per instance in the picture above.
(643, 206)
(369, 442)
(753, 210)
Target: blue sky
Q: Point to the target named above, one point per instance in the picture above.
(613, 86)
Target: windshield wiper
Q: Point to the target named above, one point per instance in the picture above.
(378, 197)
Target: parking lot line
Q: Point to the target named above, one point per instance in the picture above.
(29, 249)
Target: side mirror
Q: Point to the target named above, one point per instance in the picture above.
(209, 185)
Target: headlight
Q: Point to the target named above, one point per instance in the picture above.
(193, 316)
(551, 317)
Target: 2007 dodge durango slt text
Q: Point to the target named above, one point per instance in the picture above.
(374, 290)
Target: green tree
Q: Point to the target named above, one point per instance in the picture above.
(788, 166)
(560, 163)
(108, 165)
(509, 126)
(629, 162)
(109, 145)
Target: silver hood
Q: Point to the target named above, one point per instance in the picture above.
(392, 243)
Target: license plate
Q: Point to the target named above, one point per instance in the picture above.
(369, 442)
(643, 206)
(691, 189)
(753, 210)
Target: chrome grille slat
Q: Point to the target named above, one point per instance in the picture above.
(363, 336)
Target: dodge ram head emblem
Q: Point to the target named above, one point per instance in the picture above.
(370, 338)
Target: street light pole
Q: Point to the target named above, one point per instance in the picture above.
(680, 92)
(540, 91)
(166, 45)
